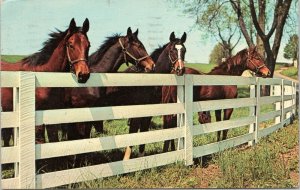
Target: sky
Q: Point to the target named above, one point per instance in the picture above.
(25, 24)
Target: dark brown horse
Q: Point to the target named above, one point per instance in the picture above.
(115, 51)
(63, 52)
(247, 59)
(168, 58)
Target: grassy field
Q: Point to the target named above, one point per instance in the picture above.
(198, 66)
(291, 72)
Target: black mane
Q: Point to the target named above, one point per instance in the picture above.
(43, 55)
(95, 57)
(156, 53)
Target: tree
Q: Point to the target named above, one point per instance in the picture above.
(291, 48)
(217, 21)
(271, 15)
(217, 54)
(281, 10)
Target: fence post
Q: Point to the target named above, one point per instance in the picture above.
(294, 98)
(252, 112)
(188, 119)
(180, 99)
(257, 110)
(282, 103)
(16, 129)
(27, 130)
(277, 92)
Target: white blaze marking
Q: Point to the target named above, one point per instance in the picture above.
(178, 47)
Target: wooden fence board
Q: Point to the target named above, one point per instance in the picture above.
(269, 99)
(9, 78)
(223, 104)
(105, 170)
(108, 79)
(106, 113)
(218, 126)
(266, 131)
(214, 80)
(66, 148)
(222, 145)
(9, 119)
(9, 154)
(10, 183)
(268, 116)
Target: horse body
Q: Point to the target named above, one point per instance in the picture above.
(69, 46)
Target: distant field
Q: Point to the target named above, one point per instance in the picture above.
(11, 58)
(291, 72)
(198, 66)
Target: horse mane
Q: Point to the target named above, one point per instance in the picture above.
(230, 62)
(95, 57)
(43, 55)
(156, 53)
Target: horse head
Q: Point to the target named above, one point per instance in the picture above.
(135, 52)
(77, 49)
(177, 53)
(256, 63)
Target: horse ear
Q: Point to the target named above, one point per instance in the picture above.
(72, 25)
(183, 38)
(129, 33)
(136, 33)
(172, 37)
(86, 25)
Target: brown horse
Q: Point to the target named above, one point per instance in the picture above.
(247, 59)
(115, 51)
(63, 52)
(168, 58)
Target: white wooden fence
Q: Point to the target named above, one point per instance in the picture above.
(24, 118)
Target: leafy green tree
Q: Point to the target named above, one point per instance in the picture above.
(217, 54)
(291, 48)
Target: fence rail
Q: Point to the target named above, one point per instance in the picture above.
(24, 118)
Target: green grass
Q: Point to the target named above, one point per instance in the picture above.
(11, 58)
(201, 67)
(291, 72)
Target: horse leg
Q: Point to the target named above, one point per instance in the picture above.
(98, 126)
(227, 115)
(145, 125)
(40, 134)
(169, 121)
(7, 134)
(134, 125)
(173, 125)
(218, 118)
(52, 132)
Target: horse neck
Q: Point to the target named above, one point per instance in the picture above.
(236, 69)
(56, 63)
(160, 65)
(110, 61)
